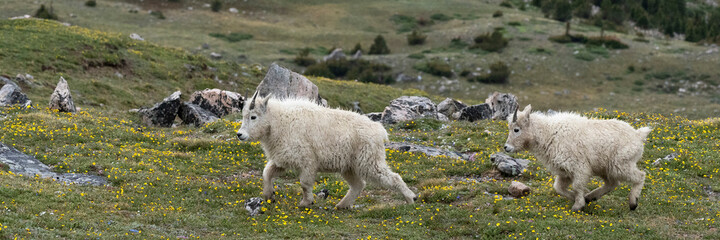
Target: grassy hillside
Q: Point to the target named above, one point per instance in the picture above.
(546, 74)
(193, 183)
(91, 61)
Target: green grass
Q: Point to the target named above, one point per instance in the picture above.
(188, 182)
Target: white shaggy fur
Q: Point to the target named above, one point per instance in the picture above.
(575, 148)
(298, 134)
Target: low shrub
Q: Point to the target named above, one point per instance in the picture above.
(499, 73)
(435, 67)
(319, 70)
(497, 14)
(607, 41)
(491, 42)
(357, 69)
(506, 4)
(416, 38)
(158, 14)
(232, 37)
(577, 38)
(216, 6)
(304, 59)
(458, 43)
(91, 3)
(441, 17)
(45, 13)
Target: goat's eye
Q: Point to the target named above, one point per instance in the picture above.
(517, 130)
(253, 117)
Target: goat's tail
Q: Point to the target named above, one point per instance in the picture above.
(643, 132)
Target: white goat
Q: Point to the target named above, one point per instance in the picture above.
(299, 134)
(575, 148)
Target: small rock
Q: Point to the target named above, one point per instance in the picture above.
(415, 148)
(375, 116)
(219, 102)
(192, 114)
(518, 189)
(119, 75)
(205, 46)
(667, 158)
(502, 105)
(254, 206)
(233, 10)
(10, 94)
(61, 99)
(476, 112)
(324, 193)
(449, 107)
(408, 108)
(336, 54)
(136, 36)
(507, 165)
(215, 56)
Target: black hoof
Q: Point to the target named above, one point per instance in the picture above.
(634, 206)
(415, 199)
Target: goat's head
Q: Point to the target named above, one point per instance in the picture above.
(254, 123)
(518, 136)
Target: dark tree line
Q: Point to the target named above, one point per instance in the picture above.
(670, 16)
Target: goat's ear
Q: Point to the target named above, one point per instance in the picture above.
(263, 106)
(526, 113)
(527, 109)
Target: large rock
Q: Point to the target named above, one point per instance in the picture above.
(502, 105)
(6, 80)
(415, 148)
(283, 83)
(10, 94)
(518, 189)
(217, 101)
(192, 114)
(450, 106)
(163, 114)
(336, 54)
(28, 166)
(475, 112)
(61, 99)
(408, 108)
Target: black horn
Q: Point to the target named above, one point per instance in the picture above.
(252, 103)
(515, 115)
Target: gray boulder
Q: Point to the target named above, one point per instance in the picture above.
(163, 114)
(502, 105)
(192, 114)
(61, 99)
(507, 165)
(217, 101)
(475, 112)
(10, 94)
(28, 166)
(450, 106)
(336, 54)
(376, 116)
(283, 83)
(6, 80)
(408, 108)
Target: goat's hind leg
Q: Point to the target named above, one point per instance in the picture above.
(356, 187)
(594, 195)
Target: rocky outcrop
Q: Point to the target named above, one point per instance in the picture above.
(450, 106)
(21, 164)
(10, 94)
(502, 105)
(192, 114)
(283, 83)
(336, 54)
(163, 114)
(408, 108)
(61, 99)
(217, 101)
(475, 112)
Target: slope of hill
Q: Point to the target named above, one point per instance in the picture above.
(655, 75)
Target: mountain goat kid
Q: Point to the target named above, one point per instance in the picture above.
(299, 134)
(575, 148)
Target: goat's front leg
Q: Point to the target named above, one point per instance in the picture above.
(271, 171)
